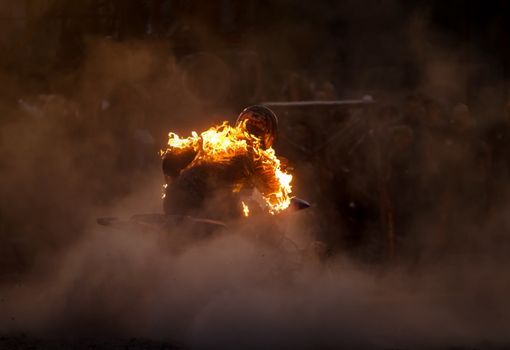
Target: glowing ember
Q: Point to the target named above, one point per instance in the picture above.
(246, 210)
(164, 189)
(223, 142)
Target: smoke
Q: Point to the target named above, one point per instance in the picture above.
(67, 157)
(238, 289)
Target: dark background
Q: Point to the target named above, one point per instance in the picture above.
(358, 47)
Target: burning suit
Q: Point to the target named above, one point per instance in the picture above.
(210, 175)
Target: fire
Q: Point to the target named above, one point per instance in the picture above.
(164, 190)
(246, 210)
(223, 142)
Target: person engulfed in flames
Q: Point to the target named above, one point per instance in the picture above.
(215, 174)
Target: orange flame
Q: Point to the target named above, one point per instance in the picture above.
(246, 210)
(223, 142)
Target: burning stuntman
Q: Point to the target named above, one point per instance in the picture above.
(213, 174)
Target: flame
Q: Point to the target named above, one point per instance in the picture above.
(164, 191)
(223, 142)
(246, 210)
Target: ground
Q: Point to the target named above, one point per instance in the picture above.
(25, 342)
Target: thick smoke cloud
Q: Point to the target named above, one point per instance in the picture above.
(235, 291)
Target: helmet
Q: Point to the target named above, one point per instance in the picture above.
(261, 122)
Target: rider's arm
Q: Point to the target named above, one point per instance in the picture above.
(266, 180)
(176, 159)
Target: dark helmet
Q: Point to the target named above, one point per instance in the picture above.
(261, 122)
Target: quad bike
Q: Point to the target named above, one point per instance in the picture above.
(165, 222)
(181, 231)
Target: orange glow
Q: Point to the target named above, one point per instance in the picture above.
(223, 142)
(246, 210)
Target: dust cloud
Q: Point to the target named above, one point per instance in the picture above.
(83, 143)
